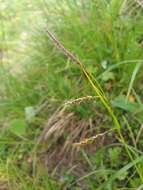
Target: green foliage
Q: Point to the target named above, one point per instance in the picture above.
(106, 42)
(123, 103)
(18, 127)
(114, 155)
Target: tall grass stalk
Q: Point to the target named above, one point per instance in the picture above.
(103, 98)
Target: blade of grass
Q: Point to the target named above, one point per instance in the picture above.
(122, 171)
(135, 71)
(122, 63)
(108, 171)
(130, 131)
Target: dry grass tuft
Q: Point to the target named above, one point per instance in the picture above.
(62, 132)
(132, 7)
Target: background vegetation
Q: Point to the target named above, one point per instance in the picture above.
(64, 126)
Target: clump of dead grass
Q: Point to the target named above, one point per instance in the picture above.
(65, 136)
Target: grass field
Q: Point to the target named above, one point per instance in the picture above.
(71, 98)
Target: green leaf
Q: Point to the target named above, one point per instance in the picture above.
(108, 76)
(18, 126)
(122, 102)
(123, 176)
(30, 113)
(104, 64)
(134, 74)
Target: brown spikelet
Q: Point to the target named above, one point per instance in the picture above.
(90, 140)
(80, 100)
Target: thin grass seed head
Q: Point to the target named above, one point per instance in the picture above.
(80, 100)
